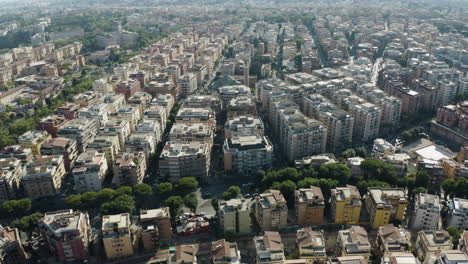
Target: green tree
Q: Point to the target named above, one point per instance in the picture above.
(122, 204)
(74, 201)
(287, 188)
(422, 178)
(349, 153)
(215, 203)
(89, 200)
(28, 223)
(142, 190)
(191, 201)
(106, 195)
(455, 234)
(164, 188)
(174, 203)
(125, 190)
(231, 193)
(230, 236)
(379, 170)
(336, 171)
(186, 184)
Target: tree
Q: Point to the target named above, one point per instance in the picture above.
(89, 200)
(164, 188)
(230, 236)
(379, 170)
(191, 201)
(122, 204)
(336, 171)
(455, 234)
(186, 184)
(142, 190)
(349, 153)
(231, 193)
(422, 178)
(174, 203)
(13, 208)
(287, 188)
(23, 206)
(124, 190)
(27, 223)
(74, 201)
(215, 203)
(106, 195)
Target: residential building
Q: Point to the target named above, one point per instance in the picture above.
(315, 161)
(400, 258)
(17, 151)
(128, 88)
(90, 171)
(119, 127)
(178, 160)
(392, 239)
(311, 245)
(131, 113)
(43, 176)
(426, 212)
(385, 205)
(159, 114)
(81, 130)
(366, 121)
(184, 254)
(141, 143)
(310, 205)
(159, 219)
(458, 213)
(117, 236)
(183, 132)
(99, 112)
(245, 155)
(67, 234)
(34, 139)
(68, 110)
(243, 126)
(354, 242)
(227, 93)
(167, 101)
(271, 210)
(241, 106)
(129, 169)
(463, 243)
(187, 85)
(109, 145)
(431, 242)
(450, 257)
(234, 216)
(149, 126)
(62, 146)
(10, 173)
(381, 147)
(223, 252)
(269, 248)
(345, 205)
(196, 115)
(51, 124)
(11, 248)
(347, 260)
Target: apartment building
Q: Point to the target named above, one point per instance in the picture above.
(196, 115)
(117, 236)
(451, 257)
(269, 248)
(223, 252)
(458, 213)
(300, 136)
(245, 155)
(128, 88)
(311, 245)
(131, 113)
(244, 126)
(62, 146)
(166, 101)
(90, 171)
(385, 204)
(140, 100)
(68, 110)
(151, 127)
(11, 171)
(82, 130)
(271, 210)
(463, 242)
(11, 248)
(241, 106)
(159, 114)
(114, 101)
(145, 143)
(227, 93)
(178, 160)
(426, 212)
(366, 121)
(109, 145)
(187, 85)
(67, 234)
(99, 112)
(345, 205)
(234, 216)
(17, 151)
(129, 169)
(401, 258)
(119, 127)
(185, 132)
(43, 176)
(431, 242)
(392, 239)
(34, 139)
(347, 260)
(354, 242)
(339, 123)
(51, 124)
(157, 218)
(310, 205)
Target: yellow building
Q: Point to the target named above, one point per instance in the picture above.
(385, 205)
(116, 236)
(346, 205)
(34, 140)
(106, 144)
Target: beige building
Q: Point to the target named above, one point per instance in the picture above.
(269, 248)
(366, 121)
(117, 236)
(271, 210)
(90, 171)
(43, 176)
(155, 226)
(392, 239)
(223, 252)
(119, 127)
(183, 132)
(310, 205)
(129, 169)
(106, 144)
(178, 160)
(311, 245)
(345, 205)
(348, 260)
(431, 242)
(234, 216)
(354, 242)
(34, 140)
(385, 205)
(10, 173)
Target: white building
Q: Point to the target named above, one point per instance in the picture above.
(426, 212)
(90, 171)
(458, 213)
